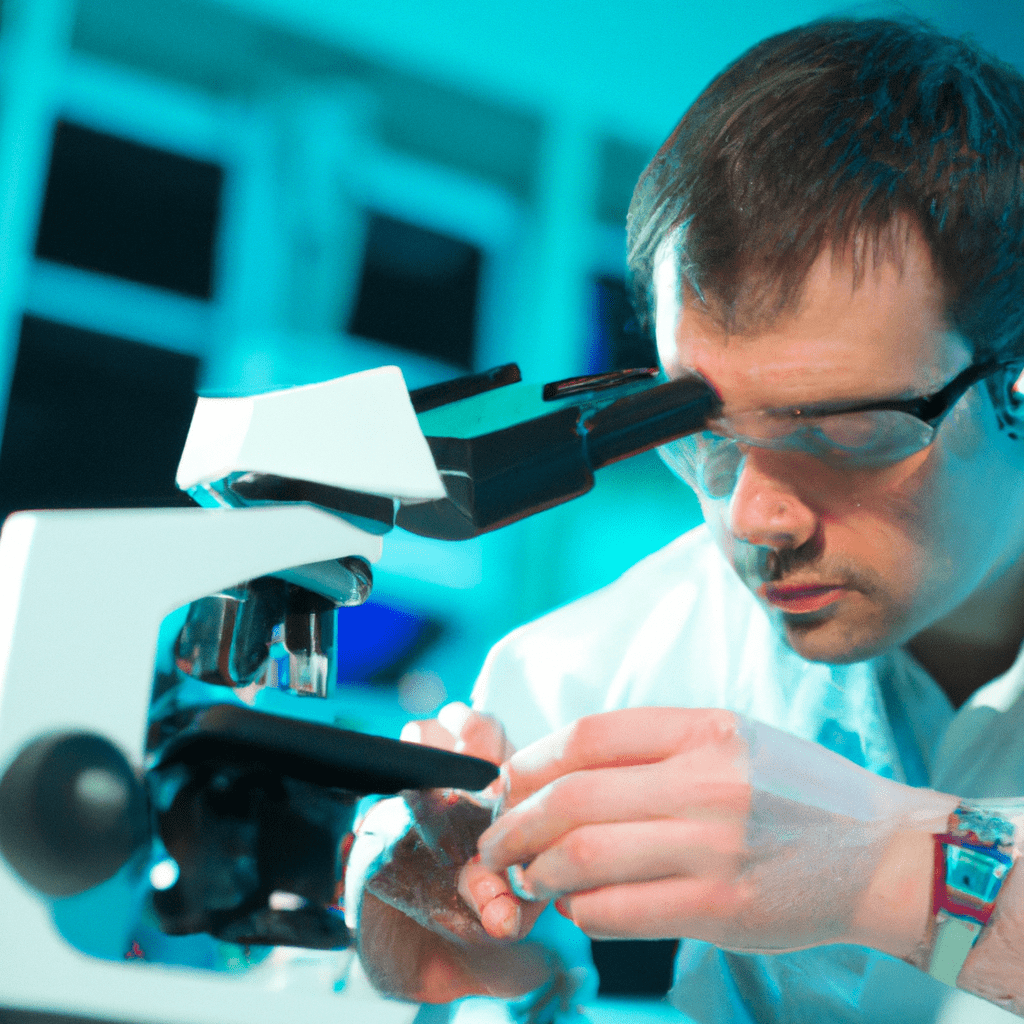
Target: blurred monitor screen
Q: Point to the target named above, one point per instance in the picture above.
(419, 291)
(616, 341)
(94, 421)
(131, 211)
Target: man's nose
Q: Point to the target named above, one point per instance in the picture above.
(765, 509)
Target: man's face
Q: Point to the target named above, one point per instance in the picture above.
(850, 563)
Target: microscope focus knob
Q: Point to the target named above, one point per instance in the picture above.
(72, 813)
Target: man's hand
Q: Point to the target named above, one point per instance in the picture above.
(667, 822)
(460, 729)
(433, 923)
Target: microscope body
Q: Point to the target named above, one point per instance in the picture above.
(82, 598)
(219, 809)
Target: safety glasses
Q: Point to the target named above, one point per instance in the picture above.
(864, 436)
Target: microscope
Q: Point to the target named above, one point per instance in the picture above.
(223, 819)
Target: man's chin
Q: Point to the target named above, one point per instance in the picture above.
(829, 637)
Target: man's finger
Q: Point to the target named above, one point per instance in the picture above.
(674, 788)
(667, 908)
(489, 894)
(429, 733)
(631, 736)
(594, 856)
(476, 734)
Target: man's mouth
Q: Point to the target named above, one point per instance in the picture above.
(800, 599)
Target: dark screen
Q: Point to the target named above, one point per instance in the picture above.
(93, 421)
(418, 290)
(638, 968)
(616, 341)
(129, 210)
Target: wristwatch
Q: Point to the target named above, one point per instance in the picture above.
(972, 860)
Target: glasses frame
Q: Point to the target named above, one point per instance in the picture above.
(930, 409)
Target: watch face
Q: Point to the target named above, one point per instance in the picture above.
(967, 877)
(973, 874)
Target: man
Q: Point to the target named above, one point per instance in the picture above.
(833, 237)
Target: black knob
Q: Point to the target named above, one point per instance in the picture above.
(72, 813)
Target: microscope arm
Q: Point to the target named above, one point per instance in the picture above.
(506, 454)
(494, 449)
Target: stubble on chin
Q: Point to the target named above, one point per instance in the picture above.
(859, 627)
(864, 623)
(870, 619)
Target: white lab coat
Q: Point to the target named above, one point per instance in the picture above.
(679, 629)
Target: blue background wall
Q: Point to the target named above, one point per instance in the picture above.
(512, 132)
(516, 129)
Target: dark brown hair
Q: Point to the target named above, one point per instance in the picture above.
(838, 133)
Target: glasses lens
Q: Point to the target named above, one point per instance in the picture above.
(707, 462)
(711, 462)
(850, 431)
(862, 440)
(722, 469)
(681, 457)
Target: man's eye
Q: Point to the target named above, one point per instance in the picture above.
(853, 431)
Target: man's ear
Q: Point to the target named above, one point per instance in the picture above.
(1008, 395)
(1013, 405)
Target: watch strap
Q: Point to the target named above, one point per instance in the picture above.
(954, 940)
